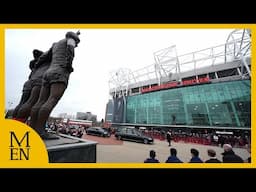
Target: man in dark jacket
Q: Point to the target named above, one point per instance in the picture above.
(229, 155)
(152, 157)
(173, 158)
(169, 137)
(212, 155)
(195, 156)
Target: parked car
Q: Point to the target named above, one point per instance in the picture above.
(132, 134)
(97, 131)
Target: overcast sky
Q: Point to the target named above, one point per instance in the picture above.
(99, 52)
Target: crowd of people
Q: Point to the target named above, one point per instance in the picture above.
(204, 138)
(228, 156)
(209, 138)
(63, 128)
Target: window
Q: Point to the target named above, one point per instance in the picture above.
(228, 72)
(216, 104)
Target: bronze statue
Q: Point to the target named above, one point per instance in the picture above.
(55, 81)
(27, 87)
(39, 69)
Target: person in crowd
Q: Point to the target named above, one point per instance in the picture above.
(229, 155)
(152, 157)
(173, 157)
(212, 154)
(195, 156)
(169, 137)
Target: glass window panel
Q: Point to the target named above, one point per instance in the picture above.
(167, 107)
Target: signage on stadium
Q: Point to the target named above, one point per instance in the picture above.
(176, 84)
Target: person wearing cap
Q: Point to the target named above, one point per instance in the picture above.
(229, 155)
(152, 157)
(55, 81)
(195, 156)
(213, 159)
(28, 86)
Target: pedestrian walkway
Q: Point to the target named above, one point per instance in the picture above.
(131, 152)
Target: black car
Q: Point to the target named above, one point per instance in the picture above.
(97, 131)
(132, 134)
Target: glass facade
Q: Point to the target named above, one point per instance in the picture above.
(109, 112)
(217, 104)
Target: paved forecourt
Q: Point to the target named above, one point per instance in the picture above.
(132, 152)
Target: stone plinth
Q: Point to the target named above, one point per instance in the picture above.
(69, 149)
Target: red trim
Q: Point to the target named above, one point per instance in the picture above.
(175, 84)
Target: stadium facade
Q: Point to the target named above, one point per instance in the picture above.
(210, 88)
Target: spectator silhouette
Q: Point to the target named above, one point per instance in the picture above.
(152, 157)
(195, 156)
(229, 155)
(212, 155)
(173, 157)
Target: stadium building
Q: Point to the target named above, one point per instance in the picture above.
(209, 89)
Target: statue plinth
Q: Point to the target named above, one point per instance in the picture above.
(69, 149)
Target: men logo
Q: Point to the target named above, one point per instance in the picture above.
(19, 148)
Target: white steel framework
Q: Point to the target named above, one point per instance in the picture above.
(238, 44)
(167, 62)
